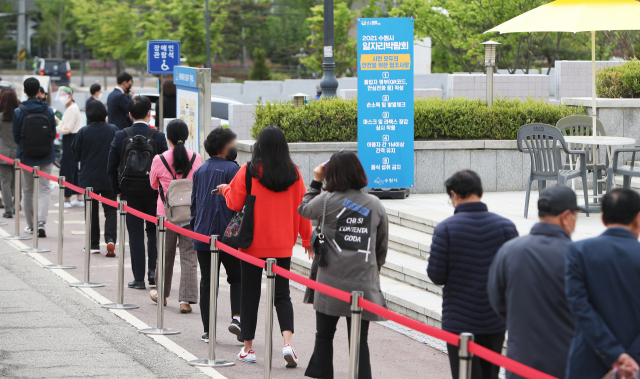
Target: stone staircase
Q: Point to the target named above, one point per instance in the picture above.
(405, 284)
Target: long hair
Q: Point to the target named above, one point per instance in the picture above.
(271, 162)
(177, 133)
(8, 103)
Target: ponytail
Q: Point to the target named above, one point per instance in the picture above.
(177, 133)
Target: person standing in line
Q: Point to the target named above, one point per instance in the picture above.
(118, 101)
(35, 150)
(96, 93)
(8, 103)
(180, 163)
(353, 259)
(91, 149)
(602, 282)
(42, 94)
(318, 95)
(210, 216)
(526, 286)
(462, 250)
(139, 196)
(279, 187)
(168, 102)
(68, 127)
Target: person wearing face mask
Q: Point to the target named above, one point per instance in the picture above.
(526, 286)
(462, 249)
(210, 216)
(118, 101)
(68, 127)
(96, 94)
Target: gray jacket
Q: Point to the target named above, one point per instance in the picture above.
(526, 288)
(8, 146)
(356, 230)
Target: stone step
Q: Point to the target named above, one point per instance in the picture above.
(416, 218)
(401, 286)
(409, 241)
(636, 163)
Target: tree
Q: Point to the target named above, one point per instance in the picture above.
(191, 31)
(344, 48)
(260, 70)
(56, 24)
(243, 29)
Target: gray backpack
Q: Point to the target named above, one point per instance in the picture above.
(177, 203)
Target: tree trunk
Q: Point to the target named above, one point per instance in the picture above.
(59, 34)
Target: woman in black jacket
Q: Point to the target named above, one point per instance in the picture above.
(168, 101)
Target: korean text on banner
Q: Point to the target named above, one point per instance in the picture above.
(385, 101)
(162, 56)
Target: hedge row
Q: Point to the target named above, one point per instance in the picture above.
(621, 81)
(460, 118)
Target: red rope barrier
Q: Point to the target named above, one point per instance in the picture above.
(238, 254)
(141, 215)
(7, 159)
(25, 167)
(48, 176)
(325, 289)
(187, 233)
(508, 363)
(101, 199)
(74, 188)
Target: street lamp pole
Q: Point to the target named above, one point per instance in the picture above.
(329, 83)
(208, 47)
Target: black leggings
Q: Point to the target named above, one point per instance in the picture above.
(251, 291)
(321, 363)
(232, 267)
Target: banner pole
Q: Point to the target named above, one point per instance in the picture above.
(36, 195)
(87, 243)
(16, 197)
(268, 332)
(354, 339)
(60, 227)
(464, 356)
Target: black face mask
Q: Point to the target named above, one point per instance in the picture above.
(232, 154)
(128, 88)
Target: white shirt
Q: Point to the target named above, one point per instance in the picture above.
(70, 123)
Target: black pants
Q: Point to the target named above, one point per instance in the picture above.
(234, 277)
(480, 369)
(321, 363)
(68, 165)
(136, 229)
(110, 220)
(251, 290)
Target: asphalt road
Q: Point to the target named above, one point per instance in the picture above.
(34, 298)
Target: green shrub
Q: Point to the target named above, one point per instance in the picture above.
(619, 81)
(459, 118)
(260, 70)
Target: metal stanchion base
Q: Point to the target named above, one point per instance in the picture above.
(162, 331)
(61, 267)
(3, 223)
(32, 250)
(119, 306)
(211, 363)
(86, 285)
(16, 238)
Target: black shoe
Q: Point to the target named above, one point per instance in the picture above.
(152, 277)
(234, 328)
(41, 231)
(137, 284)
(205, 337)
(7, 215)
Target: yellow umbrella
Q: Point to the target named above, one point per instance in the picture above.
(578, 16)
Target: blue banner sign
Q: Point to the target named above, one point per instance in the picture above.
(184, 76)
(162, 56)
(385, 101)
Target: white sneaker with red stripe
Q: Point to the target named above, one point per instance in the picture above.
(249, 356)
(290, 355)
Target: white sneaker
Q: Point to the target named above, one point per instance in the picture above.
(289, 355)
(77, 203)
(53, 187)
(249, 357)
(67, 204)
(28, 230)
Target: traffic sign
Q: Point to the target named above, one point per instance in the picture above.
(162, 55)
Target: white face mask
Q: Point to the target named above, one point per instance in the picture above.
(63, 99)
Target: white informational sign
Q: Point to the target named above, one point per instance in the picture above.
(328, 51)
(188, 112)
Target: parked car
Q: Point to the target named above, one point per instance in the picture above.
(58, 69)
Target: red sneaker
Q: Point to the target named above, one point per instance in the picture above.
(111, 250)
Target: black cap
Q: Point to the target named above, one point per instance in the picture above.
(42, 90)
(557, 199)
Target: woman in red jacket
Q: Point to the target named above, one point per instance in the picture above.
(278, 187)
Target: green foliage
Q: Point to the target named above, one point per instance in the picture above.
(260, 70)
(57, 24)
(460, 118)
(619, 81)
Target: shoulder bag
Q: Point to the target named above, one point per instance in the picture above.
(239, 232)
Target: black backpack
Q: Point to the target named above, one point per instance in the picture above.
(36, 136)
(135, 163)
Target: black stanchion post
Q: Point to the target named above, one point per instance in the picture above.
(16, 205)
(160, 329)
(87, 243)
(211, 361)
(120, 296)
(268, 345)
(465, 356)
(60, 227)
(354, 340)
(36, 195)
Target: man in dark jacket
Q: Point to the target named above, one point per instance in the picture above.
(91, 149)
(140, 110)
(33, 105)
(210, 216)
(118, 101)
(602, 282)
(462, 250)
(96, 91)
(526, 286)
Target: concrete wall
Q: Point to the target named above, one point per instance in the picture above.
(512, 86)
(241, 119)
(417, 93)
(573, 78)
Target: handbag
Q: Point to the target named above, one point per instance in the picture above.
(318, 240)
(239, 232)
